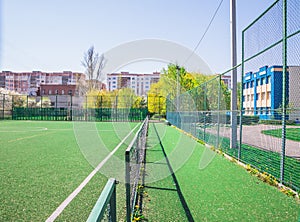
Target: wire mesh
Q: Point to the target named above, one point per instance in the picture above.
(135, 160)
(76, 108)
(270, 93)
(268, 132)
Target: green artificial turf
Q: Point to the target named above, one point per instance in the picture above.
(264, 160)
(221, 191)
(41, 164)
(291, 133)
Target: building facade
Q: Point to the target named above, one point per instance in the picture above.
(262, 92)
(140, 83)
(28, 83)
(46, 90)
(226, 80)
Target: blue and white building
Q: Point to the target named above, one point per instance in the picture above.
(262, 91)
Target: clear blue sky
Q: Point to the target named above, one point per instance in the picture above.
(52, 35)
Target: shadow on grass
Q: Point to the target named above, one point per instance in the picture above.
(160, 188)
(179, 192)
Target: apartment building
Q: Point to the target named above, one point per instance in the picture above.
(28, 83)
(226, 80)
(262, 92)
(140, 83)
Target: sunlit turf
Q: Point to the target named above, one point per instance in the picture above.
(264, 160)
(291, 133)
(222, 191)
(41, 164)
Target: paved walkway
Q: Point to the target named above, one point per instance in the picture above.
(252, 136)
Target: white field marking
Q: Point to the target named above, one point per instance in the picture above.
(66, 202)
(30, 129)
(99, 130)
(29, 137)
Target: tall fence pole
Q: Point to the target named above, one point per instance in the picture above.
(3, 106)
(12, 107)
(204, 108)
(56, 107)
(219, 100)
(71, 108)
(241, 98)
(86, 108)
(233, 116)
(284, 72)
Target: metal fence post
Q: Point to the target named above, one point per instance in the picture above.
(284, 71)
(241, 97)
(56, 107)
(218, 126)
(71, 108)
(127, 186)
(3, 106)
(116, 109)
(204, 112)
(12, 107)
(101, 108)
(86, 108)
(112, 205)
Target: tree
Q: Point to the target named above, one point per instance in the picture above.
(94, 64)
(186, 80)
(197, 91)
(126, 98)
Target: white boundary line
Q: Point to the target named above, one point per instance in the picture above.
(66, 202)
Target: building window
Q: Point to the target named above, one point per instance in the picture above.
(263, 95)
(257, 82)
(50, 92)
(262, 81)
(114, 82)
(56, 91)
(257, 96)
(63, 92)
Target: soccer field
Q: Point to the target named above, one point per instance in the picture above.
(42, 163)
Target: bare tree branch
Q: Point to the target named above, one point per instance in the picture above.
(94, 64)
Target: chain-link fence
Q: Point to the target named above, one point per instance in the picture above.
(268, 130)
(5, 107)
(68, 107)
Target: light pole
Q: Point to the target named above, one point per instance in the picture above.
(233, 114)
